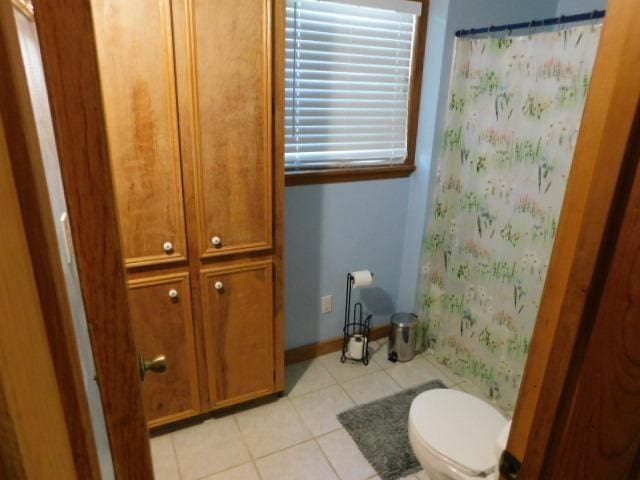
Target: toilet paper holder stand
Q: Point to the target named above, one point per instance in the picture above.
(356, 330)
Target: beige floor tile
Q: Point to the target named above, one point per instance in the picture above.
(349, 370)
(165, 463)
(379, 352)
(318, 410)
(209, 448)
(243, 472)
(422, 475)
(344, 455)
(371, 387)
(302, 462)
(415, 372)
(380, 355)
(305, 377)
(272, 427)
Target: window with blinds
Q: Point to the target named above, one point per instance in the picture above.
(347, 79)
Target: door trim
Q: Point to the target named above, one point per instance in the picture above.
(34, 437)
(33, 194)
(67, 42)
(574, 272)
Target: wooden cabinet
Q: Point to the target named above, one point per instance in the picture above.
(162, 325)
(135, 46)
(189, 91)
(227, 55)
(238, 317)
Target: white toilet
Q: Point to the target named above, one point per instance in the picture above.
(457, 436)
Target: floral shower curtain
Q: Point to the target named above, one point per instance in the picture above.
(515, 105)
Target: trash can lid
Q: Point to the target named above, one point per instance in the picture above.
(404, 319)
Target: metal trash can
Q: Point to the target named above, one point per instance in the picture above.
(402, 339)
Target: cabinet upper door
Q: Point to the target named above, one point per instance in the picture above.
(227, 55)
(238, 318)
(134, 41)
(162, 325)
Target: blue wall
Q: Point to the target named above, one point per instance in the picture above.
(569, 7)
(335, 228)
(332, 229)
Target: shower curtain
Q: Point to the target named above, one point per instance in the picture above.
(514, 110)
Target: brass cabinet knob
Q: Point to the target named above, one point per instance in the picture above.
(157, 365)
(217, 241)
(218, 285)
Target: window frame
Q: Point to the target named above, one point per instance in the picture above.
(373, 172)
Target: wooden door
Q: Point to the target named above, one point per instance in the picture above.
(67, 41)
(135, 46)
(578, 267)
(607, 382)
(238, 316)
(227, 88)
(162, 325)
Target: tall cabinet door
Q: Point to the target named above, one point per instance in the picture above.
(238, 317)
(162, 325)
(228, 58)
(135, 47)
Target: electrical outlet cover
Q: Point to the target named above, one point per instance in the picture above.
(326, 304)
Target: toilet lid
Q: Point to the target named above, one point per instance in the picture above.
(458, 426)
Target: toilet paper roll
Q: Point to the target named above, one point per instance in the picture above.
(361, 278)
(357, 346)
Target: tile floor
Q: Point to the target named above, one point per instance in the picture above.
(296, 437)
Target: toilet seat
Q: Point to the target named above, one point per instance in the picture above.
(459, 428)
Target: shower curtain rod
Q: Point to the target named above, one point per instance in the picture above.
(580, 17)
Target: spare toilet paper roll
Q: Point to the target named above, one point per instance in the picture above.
(357, 346)
(362, 278)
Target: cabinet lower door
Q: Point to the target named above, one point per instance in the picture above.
(162, 325)
(238, 315)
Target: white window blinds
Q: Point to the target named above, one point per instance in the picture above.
(347, 80)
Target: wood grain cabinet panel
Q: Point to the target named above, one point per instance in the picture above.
(135, 47)
(230, 60)
(238, 316)
(162, 324)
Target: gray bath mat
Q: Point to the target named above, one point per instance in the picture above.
(379, 428)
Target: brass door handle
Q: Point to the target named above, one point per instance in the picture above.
(157, 365)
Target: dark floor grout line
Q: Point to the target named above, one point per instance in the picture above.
(327, 459)
(315, 390)
(242, 439)
(349, 396)
(175, 455)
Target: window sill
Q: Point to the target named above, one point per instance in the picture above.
(338, 175)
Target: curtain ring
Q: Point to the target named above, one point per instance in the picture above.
(593, 20)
